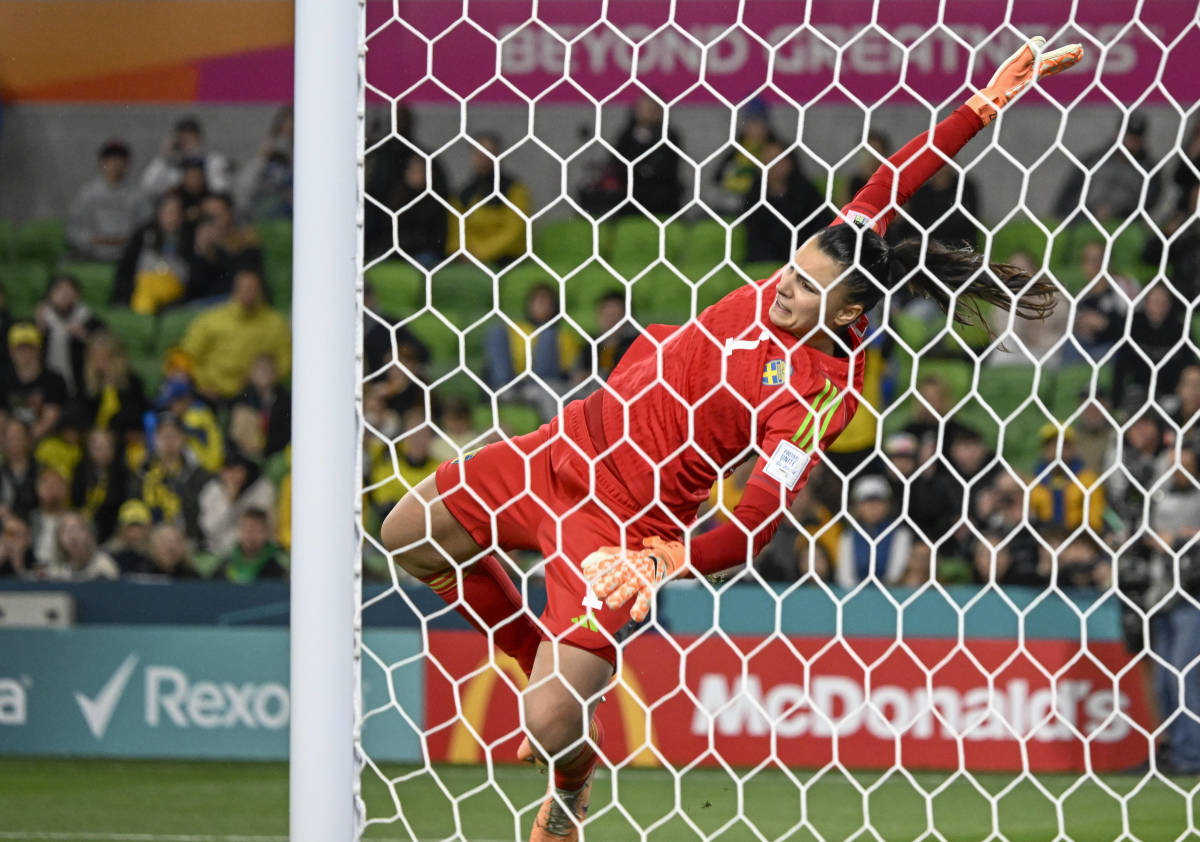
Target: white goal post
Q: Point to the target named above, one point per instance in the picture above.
(325, 340)
(984, 719)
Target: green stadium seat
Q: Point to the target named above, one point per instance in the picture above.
(515, 419)
(635, 244)
(725, 281)
(279, 285)
(1005, 387)
(136, 330)
(6, 240)
(398, 287)
(172, 325)
(661, 296)
(44, 240)
(24, 284)
(462, 292)
(441, 340)
(516, 282)
(95, 278)
(149, 367)
(276, 237)
(564, 244)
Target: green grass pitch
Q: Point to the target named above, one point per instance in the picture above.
(70, 800)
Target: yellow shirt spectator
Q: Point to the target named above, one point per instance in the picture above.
(222, 343)
(493, 229)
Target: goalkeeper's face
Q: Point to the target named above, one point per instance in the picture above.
(809, 293)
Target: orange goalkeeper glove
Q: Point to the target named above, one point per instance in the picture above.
(616, 575)
(1016, 74)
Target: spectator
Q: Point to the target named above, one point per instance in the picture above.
(16, 549)
(1067, 491)
(130, 547)
(1119, 170)
(1010, 553)
(787, 205)
(654, 153)
(406, 374)
(113, 395)
(459, 433)
(1158, 333)
(100, 484)
(875, 546)
(929, 414)
(107, 209)
(254, 555)
(186, 142)
(62, 448)
(420, 228)
(1183, 407)
(937, 210)
(6, 323)
(263, 187)
(170, 554)
(270, 405)
(1101, 311)
(66, 323)
(171, 480)
(224, 342)
(900, 465)
(29, 391)
(284, 527)
(395, 176)
(865, 165)
(193, 189)
(1095, 434)
(494, 231)
(739, 169)
(802, 544)
(203, 433)
(615, 333)
(1183, 252)
(153, 269)
(1042, 338)
(53, 505)
(1083, 562)
(239, 487)
(1175, 620)
(1184, 176)
(219, 249)
(1128, 487)
(18, 474)
(552, 346)
(78, 558)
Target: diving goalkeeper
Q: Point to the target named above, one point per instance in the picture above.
(606, 490)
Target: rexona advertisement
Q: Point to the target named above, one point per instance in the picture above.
(143, 691)
(805, 700)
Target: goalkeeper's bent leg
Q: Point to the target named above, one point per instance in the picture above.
(558, 706)
(425, 539)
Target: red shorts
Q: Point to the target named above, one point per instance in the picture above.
(533, 492)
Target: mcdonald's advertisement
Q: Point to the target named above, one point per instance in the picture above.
(806, 700)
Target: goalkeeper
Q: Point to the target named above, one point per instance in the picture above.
(606, 490)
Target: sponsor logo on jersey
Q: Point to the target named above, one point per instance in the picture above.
(860, 220)
(775, 373)
(587, 621)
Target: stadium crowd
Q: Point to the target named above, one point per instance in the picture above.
(106, 475)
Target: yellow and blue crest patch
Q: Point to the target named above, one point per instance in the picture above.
(775, 373)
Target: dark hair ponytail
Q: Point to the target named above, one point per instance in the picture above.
(936, 271)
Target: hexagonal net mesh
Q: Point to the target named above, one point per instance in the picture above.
(939, 571)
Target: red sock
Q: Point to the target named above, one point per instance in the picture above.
(572, 773)
(495, 600)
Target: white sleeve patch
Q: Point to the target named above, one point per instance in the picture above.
(787, 464)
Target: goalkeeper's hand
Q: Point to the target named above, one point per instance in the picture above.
(616, 574)
(1016, 74)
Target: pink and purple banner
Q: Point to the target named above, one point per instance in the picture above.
(720, 51)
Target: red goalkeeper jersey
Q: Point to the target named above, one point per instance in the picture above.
(725, 387)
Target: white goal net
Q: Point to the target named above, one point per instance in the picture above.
(979, 619)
